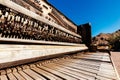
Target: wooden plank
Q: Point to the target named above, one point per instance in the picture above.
(34, 75)
(80, 68)
(27, 77)
(61, 74)
(18, 76)
(2, 72)
(11, 76)
(69, 72)
(102, 78)
(85, 74)
(25, 67)
(79, 61)
(73, 70)
(80, 64)
(3, 77)
(45, 73)
(9, 70)
(41, 42)
(107, 71)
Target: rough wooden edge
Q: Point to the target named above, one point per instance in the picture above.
(117, 74)
(13, 40)
(30, 60)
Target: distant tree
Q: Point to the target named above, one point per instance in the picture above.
(115, 43)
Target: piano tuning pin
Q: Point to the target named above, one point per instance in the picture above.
(2, 18)
(46, 27)
(31, 23)
(53, 28)
(0, 12)
(25, 22)
(19, 19)
(28, 22)
(16, 18)
(22, 20)
(37, 24)
(34, 24)
(9, 16)
(13, 17)
(6, 14)
(67, 35)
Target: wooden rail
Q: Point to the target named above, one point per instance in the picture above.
(12, 54)
(37, 42)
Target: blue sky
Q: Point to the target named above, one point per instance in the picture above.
(104, 15)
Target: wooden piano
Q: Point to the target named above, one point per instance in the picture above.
(38, 42)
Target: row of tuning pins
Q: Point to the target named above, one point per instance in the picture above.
(28, 22)
(11, 17)
(58, 32)
(8, 16)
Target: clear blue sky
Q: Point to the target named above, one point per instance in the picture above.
(104, 15)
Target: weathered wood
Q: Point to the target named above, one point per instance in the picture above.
(40, 42)
(27, 77)
(61, 74)
(11, 76)
(66, 67)
(45, 73)
(23, 10)
(12, 55)
(34, 74)
(115, 57)
(3, 77)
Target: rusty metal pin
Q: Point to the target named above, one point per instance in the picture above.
(34, 24)
(6, 14)
(2, 18)
(22, 20)
(1, 13)
(31, 23)
(18, 18)
(25, 22)
(37, 24)
(9, 16)
(13, 17)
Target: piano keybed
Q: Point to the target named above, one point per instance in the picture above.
(79, 66)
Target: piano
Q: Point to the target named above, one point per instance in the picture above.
(38, 42)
